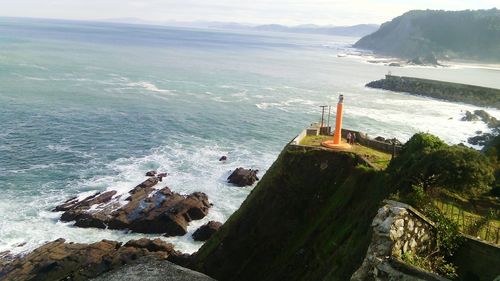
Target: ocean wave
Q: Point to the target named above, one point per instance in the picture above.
(150, 87)
(191, 167)
(294, 104)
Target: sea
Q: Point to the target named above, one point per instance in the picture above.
(92, 106)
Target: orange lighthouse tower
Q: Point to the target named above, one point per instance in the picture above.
(337, 143)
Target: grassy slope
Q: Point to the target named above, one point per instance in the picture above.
(308, 219)
(378, 159)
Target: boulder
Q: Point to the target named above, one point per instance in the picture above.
(147, 210)
(206, 231)
(243, 177)
(379, 138)
(151, 174)
(58, 260)
(223, 158)
(161, 176)
(469, 116)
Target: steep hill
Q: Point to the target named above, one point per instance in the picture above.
(455, 34)
(298, 223)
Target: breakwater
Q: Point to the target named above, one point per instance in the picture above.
(455, 92)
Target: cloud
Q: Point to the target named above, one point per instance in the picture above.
(336, 12)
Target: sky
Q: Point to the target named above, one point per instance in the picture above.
(287, 12)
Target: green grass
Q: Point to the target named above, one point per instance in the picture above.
(379, 159)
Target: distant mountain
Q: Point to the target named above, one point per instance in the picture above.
(355, 30)
(454, 34)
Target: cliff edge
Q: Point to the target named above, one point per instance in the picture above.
(308, 219)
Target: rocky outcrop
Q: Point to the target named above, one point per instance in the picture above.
(397, 229)
(243, 177)
(58, 260)
(206, 231)
(152, 269)
(300, 222)
(144, 209)
(481, 138)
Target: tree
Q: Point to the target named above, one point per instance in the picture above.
(427, 161)
(457, 168)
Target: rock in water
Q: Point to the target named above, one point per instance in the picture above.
(206, 231)
(151, 174)
(243, 177)
(223, 158)
(145, 210)
(160, 176)
(58, 260)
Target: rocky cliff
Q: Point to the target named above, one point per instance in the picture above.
(308, 219)
(446, 34)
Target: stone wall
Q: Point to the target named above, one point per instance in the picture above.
(397, 229)
(363, 139)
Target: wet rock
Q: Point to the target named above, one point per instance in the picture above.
(223, 158)
(481, 140)
(74, 203)
(146, 210)
(161, 176)
(469, 116)
(58, 260)
(243, 177)
(156, 245)
(206, 231)
(151, 174)
(379, 138)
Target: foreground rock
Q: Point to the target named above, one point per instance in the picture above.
(59, 260)
(243, 177)
(152, 269)
(144, 209)
(206, 231)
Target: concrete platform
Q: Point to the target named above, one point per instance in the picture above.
(340, 146)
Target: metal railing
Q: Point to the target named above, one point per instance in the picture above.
(480, 227)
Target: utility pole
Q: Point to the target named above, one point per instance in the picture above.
(322, 117)
(328, 126)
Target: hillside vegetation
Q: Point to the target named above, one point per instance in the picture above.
(454, 34)
(309, 218)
